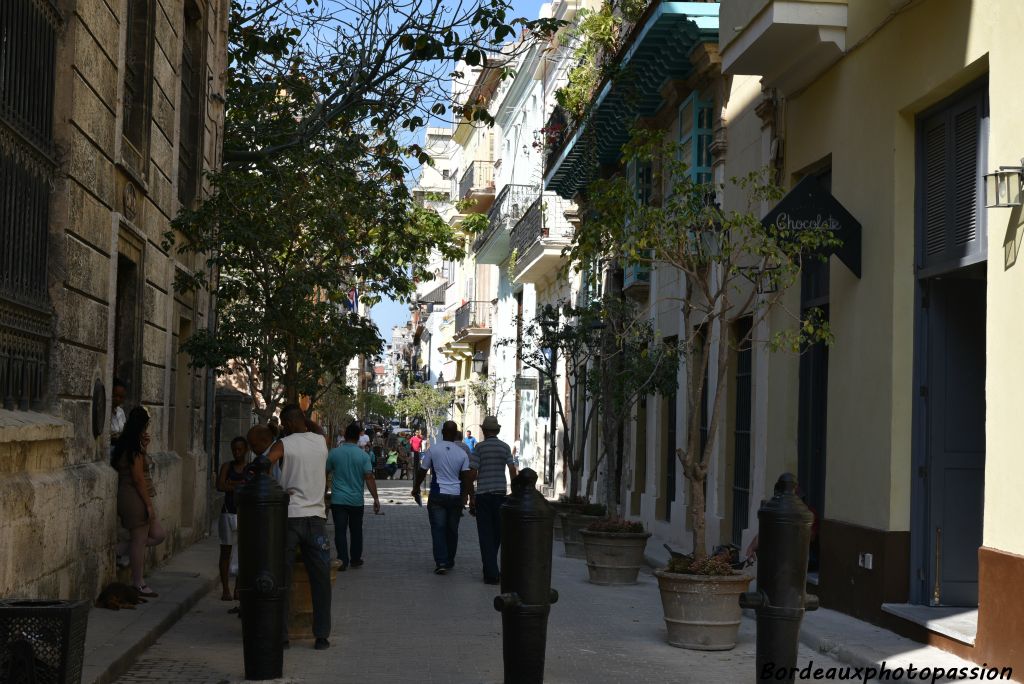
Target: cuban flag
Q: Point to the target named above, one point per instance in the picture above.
(351, 301)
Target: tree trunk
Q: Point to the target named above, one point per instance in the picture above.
(610, 417)
(700, 549)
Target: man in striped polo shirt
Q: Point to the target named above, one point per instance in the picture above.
(487, 466)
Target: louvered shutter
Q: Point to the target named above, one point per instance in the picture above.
(952, 145)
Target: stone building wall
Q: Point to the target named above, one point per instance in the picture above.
(138, 85)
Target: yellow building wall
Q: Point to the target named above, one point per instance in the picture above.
(862, 112)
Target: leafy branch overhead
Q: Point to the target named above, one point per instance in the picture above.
(376, 67)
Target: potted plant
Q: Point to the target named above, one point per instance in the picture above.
(734, 272)
(565, 504)
(700, 598)
(573, 522)
(615, 550)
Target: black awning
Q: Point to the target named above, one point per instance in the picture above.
(810, 206)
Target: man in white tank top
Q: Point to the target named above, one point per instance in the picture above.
(304, 477)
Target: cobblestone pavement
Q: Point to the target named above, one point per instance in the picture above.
(395, 621)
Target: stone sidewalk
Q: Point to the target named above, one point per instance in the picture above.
(395, 621)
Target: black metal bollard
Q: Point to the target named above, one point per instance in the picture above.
(526, 594)
(262, 523)
(784, 539)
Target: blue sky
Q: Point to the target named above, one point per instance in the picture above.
(389, 313)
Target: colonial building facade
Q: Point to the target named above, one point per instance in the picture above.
(111, 113)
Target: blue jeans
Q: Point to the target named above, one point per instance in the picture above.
(488, 529)
(444, 511)
(348, 518)
(310, 535)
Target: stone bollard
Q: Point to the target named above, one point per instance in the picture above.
(526, 594)
(784, 539)
(262, 524)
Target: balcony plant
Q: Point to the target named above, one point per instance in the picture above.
(730, 267)
(615, 550)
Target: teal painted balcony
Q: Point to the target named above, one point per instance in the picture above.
(658, 52)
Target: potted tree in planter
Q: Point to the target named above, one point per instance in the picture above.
(574, 522)
(560, 345)
(730, 267)
(615, 550)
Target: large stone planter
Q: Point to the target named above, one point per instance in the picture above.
(572, 525)
(614, 557)
(702, 612)
(562, 507)
(300, 602)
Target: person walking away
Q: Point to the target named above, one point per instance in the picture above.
(450, 466)
(470, 441)
(416, 445)
(350, 470)
(378, 448)
(231, 475)
(487, 465)
(136, 493)
(304, 477)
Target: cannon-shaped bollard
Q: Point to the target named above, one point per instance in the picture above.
(784, 539)
(262, 523)
(526, 594)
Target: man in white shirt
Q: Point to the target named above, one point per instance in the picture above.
(304, 477)
(448, 493)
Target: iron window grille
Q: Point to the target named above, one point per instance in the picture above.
(28, 41)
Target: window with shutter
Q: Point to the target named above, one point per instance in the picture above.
(191, 105)
(952, 142)
(138, 74)
(28, 40)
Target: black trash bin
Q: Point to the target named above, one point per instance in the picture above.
(41, 641)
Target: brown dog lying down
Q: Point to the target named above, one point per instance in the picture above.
(116, 596)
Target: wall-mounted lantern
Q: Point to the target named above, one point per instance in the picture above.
(1003, 187)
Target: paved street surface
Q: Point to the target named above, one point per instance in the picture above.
(395, 621)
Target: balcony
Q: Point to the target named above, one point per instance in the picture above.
(539, 238)
(636, 280)
(664, 47)
(492, 246)
(477, 183)
(473, 322)
(788, 43)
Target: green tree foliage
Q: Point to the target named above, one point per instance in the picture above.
(372, 405)
(731, 266)
(635, 362)
(377, 67)
(311, 202)
(424, 402)
(561, 344)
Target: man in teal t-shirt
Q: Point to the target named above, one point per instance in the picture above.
(350, 467)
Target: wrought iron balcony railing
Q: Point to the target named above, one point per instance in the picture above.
(530, 228)
(478, 175)
(474, 314)
(509, 206)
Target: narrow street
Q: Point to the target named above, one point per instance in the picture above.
(395, 621)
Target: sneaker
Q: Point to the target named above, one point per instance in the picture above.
(123, 560)
(340, 565)
(322, 644)
(440, 570)
(492, 580)
(357, 563)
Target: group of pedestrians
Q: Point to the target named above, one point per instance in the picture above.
(463, 471)
(466, 472)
